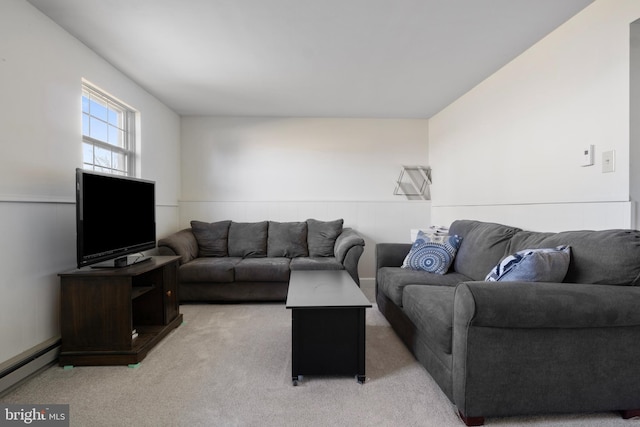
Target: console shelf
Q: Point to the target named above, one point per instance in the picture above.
(137, 291)
(100, 308)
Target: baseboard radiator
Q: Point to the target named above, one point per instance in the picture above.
(27, 363)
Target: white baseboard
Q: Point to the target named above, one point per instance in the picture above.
(27, 363)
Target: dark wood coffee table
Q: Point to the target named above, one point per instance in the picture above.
(328, 324)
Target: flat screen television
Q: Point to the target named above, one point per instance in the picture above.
(115, 217)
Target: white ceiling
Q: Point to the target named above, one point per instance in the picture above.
(309, 58)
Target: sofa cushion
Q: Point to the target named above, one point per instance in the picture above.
(392, 281)
(483, 245)
(212, 237)
(432, 253)
(533, 265)
(316, 263)
(606, 257)
(262, 270)
(287, 239)
(248, 239)
(322, 235)
(219, 270)
(430, 308)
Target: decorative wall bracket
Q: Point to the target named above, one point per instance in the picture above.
(413, 183)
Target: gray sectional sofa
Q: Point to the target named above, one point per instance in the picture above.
(518, 348)
(251, 261)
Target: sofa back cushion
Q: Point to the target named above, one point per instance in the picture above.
(287, 239)
(322, 235)
(248, 239)
(483, 245)
(211, 237)
(607, 257)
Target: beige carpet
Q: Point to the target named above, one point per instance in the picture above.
(230, 365)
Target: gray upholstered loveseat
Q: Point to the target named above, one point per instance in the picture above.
(516, 348)
(251, 261)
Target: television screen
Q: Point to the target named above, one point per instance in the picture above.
(115, 216)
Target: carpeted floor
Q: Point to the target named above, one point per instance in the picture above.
(230, 365)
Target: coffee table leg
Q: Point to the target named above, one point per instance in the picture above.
(294, 347)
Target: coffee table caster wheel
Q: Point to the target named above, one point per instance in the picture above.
(361, 379)
(294, 380)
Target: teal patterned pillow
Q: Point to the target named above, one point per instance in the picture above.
(533, 265)
(432, 253)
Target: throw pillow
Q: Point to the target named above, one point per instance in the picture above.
(432, 253)
(211, 237)
(248, 239)
(287, 239)
(322, 235)
(533, 265)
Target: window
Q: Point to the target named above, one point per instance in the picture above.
(108, 134)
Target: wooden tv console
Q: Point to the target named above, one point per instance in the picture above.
(100, 309)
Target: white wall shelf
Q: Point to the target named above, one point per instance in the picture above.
(413, 183)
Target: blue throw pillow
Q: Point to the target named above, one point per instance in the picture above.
(432, 253)
(533, 265)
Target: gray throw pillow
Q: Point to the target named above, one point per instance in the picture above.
(322, 235)
(211, 237)
(287, 239)
(248, 239)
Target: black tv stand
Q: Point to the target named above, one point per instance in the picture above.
(121, 262)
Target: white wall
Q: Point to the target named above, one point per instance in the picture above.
(634, 128)
(291, 169)
(41, 70)
(509, 149)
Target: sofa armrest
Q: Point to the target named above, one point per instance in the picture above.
(182, 243)
(391, 254)
(345, 241)
(546, 305)
(518, 347)
(347, 250)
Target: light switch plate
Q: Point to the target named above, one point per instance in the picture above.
(608, 161)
